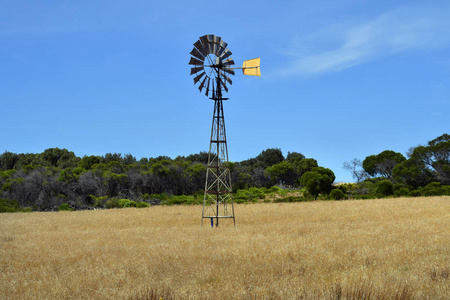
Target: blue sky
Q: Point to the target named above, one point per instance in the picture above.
(341, 79)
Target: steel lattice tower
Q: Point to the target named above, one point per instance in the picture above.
(218, 198)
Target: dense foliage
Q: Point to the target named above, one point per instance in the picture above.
(424, 172)
(57, 179)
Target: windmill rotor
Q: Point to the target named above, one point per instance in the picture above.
(211, 58)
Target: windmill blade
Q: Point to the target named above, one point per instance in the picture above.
(227, 79)
(198, 44)
(228, 62)
(215, 49)
(217, 40)
(225, 87)
(211, 48)
(210, 38)
(228, 70)
(196, 62)
(202, 84)
(198, 77)
(197, 54)
(220, 51)
(196, 69)
(204, 39)
(204, 50)
(223, 84)
(223, 44)
(207, 87)
(227, 53)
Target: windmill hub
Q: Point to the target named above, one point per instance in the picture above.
(218, 63)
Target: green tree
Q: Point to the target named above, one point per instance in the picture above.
(283, 172)
(61, 158)
(269, 157)
(382, 164)
(88, 161)
(318, 181)
(8, 160)
(201, 157)
(304, 165)
(294, 156)
(435, 157)
(412, 172)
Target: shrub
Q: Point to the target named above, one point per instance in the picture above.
(385, 188)
(7, 205)
(242, 196)
(127, 203)
(65, 207)
(112, 203)
(130, 203)
(401, 192)
(142, 204)
(435, 189)
(182, 199)
(274, 189)
(258, 192)
(99, 201)
(122, 202)
(415, 193)
(7, 186)
(337, 194)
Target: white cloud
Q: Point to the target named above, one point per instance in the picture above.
(410, 27)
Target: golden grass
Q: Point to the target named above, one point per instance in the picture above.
(373, 249)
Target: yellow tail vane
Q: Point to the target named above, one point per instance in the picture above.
(251, 67)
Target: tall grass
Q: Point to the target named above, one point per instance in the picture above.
(376, 249)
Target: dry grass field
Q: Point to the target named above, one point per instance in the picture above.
(372, 249)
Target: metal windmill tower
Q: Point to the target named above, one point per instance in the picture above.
(212, 66)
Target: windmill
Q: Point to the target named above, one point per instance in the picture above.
(212, 67)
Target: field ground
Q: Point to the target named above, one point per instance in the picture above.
(371, 249)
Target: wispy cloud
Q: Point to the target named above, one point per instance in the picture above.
(410, 27)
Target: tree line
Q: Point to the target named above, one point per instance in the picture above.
(47, 180)
(425, 171)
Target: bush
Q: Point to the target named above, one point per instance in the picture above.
(258, 192)
(274, 189)
(182, 199)
(7, 205)
(435, 189)
(385, 188)
(65, 207)
(415, 193)
(130, 203)
(96, 201)
(112, 203)
(127, 203)
(401, 192)
(142, 204)
(242, 196)
(337, 194)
